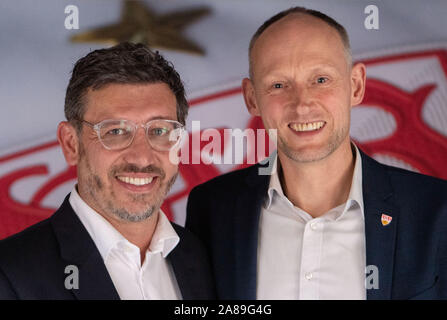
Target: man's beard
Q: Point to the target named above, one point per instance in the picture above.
(124, 214)
(106, 201)
(306, 157)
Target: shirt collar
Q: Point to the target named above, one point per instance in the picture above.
(164, 239)
(355, 193)
(275, 184)
(106, 237)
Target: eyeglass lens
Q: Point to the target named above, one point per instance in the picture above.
(118, 134)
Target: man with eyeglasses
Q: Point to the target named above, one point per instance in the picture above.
(125, 108)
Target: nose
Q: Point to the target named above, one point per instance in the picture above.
(140, 152)
(302, 100)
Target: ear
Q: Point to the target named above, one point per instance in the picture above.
(69, 142)
(358, 83)
(249, 97)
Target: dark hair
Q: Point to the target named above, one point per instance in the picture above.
(314, 13)
(125, 63)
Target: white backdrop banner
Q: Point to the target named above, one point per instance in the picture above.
(402, 120)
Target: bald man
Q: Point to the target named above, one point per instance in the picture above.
(330, 222)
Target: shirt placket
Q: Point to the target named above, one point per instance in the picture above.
(311, 259)
(132, 258)
(141, 284)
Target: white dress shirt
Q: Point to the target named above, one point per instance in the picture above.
(155, 279)
(300, 257)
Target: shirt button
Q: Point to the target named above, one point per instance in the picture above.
(314, 225)
(308, 275)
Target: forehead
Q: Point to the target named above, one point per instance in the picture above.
(136, 102)
(298, 38)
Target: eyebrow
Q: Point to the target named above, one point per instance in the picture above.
(314, 68)
(160, 118)
(144, 121)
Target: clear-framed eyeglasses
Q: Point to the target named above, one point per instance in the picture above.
(162, 135)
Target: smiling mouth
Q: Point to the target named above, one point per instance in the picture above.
(307, 126)
(135, 181)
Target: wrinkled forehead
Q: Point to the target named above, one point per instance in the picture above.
(131, 101)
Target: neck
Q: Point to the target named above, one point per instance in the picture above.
(137, 233)
(316, 187)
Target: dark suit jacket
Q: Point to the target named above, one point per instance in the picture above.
(410, 252)
(33, 262)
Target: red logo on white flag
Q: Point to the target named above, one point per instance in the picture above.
(402, 121)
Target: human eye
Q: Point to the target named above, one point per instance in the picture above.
(275, 87)
(112, 130)
(278, 86)
(116, 132)
(159, 131)
(322, 80)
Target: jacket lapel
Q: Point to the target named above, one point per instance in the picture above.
(380, 237)
(78, 249)
(248, 209)
(194, 280)
(184, 270)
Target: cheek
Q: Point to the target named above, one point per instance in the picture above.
(337, 103)
(341, 116)
(168, 167)
(273, 109)
(98, 161)
(275, 101)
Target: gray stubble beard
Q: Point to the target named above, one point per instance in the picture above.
(124, 215)
(295, 156)
(94, 186)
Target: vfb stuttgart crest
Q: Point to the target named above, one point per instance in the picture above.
(386, 219)
(402, 121)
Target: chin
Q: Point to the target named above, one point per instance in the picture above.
(306, 154)
(134, 215)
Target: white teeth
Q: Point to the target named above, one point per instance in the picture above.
(136, 181)
(310, 126)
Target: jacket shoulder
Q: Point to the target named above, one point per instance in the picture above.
(30, 242)
(29, 262)
(187, 237)
(189, 242)
(403, 181)
(414, 181)
(228, 181)
(191, 265)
